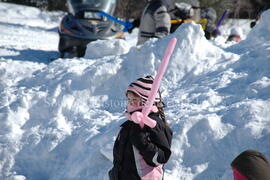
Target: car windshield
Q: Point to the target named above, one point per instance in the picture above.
(100, 5)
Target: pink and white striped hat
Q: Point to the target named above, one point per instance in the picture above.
(142, 88)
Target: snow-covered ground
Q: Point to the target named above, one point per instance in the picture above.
(58, 119)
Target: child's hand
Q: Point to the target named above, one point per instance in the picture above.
(139, 118)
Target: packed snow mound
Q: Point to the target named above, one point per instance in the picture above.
(259, 33)
(28, 33)
(59, 119)
(29, 16)
(101, 48)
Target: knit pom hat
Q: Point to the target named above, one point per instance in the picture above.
(142, 88)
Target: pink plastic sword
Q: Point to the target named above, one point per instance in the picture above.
(142, 118)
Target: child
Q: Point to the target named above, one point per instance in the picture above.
(251, 165)
(140, 153)
(155, 20)
(235, 35)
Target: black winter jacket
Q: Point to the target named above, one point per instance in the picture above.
(153, 145)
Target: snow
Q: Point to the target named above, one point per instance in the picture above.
(59, 119)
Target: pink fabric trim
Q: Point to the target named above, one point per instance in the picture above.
(144, 84)
(142, 91)
(133, 108)
(237, 175)
(145, 171)
(139, 91)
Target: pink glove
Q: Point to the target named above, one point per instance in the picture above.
(140, 119)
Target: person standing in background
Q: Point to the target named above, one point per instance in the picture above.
(155, 20)
(210, 30)
(235, 35)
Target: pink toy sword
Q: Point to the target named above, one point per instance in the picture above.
(142, 118)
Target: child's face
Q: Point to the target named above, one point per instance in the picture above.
(134, 100)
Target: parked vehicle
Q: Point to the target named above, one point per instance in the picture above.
(85, 23)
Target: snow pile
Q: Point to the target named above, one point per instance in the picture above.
(59, 119)
(101, 48)
(259, 34)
